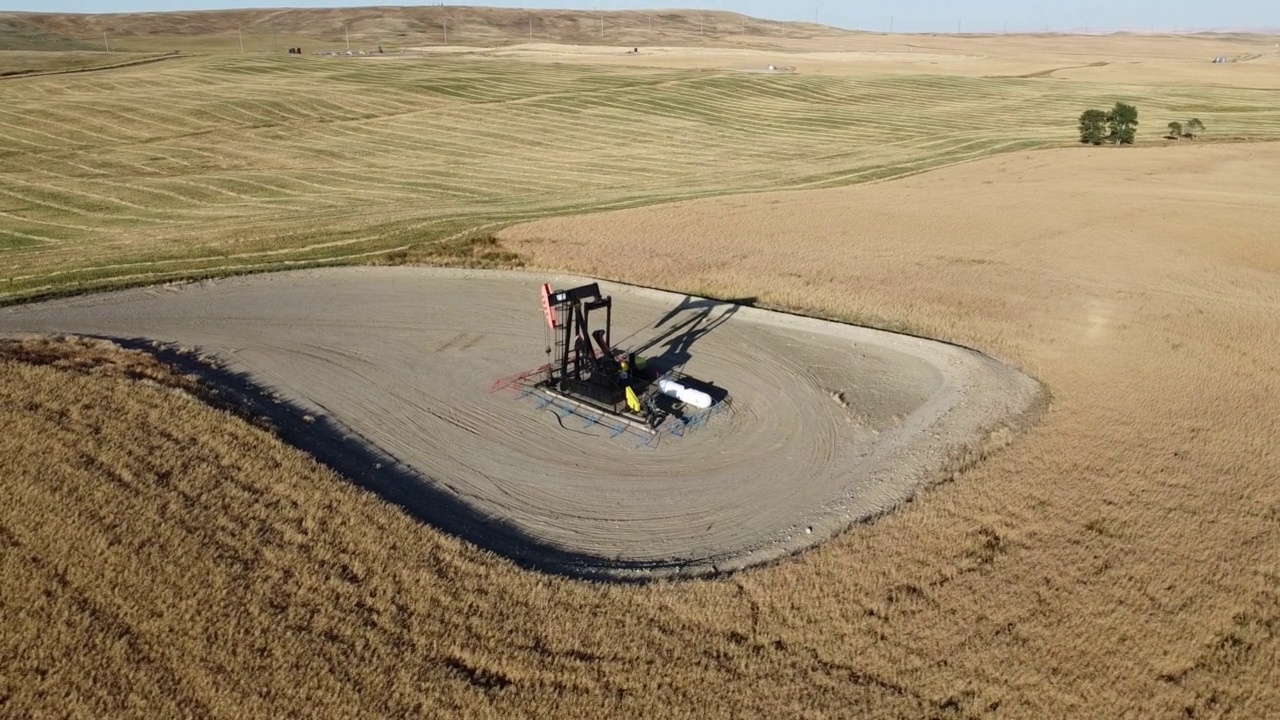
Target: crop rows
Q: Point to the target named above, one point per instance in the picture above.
(216, 163)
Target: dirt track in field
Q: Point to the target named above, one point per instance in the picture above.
(832, 424)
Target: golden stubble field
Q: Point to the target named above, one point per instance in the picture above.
(1126, 553)
(1146, 60)
(1121, 559)
(259, 161)
(161, 557)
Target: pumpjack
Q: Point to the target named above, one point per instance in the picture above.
(598, 379)
(585, 366)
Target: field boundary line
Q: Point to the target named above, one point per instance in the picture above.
(21, 75)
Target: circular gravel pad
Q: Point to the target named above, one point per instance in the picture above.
(831, 424)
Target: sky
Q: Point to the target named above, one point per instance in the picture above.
(879, 15)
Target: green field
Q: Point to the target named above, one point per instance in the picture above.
(220, 164)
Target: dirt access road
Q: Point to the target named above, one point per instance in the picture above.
(832, 424)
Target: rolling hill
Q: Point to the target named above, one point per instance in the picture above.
(392, 27)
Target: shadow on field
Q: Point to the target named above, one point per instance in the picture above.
(690, 321)
(683, 326)
(371, 468)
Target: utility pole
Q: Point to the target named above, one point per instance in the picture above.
(240, 34)
(890, 24)
(347, 30)
(104, 41)
(530, 28)
(445, 24)
(601, 26)
(699, 24)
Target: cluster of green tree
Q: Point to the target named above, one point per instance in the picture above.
(1191, 129)
(1119, 125)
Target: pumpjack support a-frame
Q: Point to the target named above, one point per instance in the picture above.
(584, 364)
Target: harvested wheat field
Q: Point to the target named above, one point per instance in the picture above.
(169, 551)
(263, 161)
(1123, 555)
(830, 424)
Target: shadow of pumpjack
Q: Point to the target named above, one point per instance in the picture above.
(690, 321)
(361, 462)
(364, 464)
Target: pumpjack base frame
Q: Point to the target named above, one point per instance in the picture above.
(533, 384)
(637, 422)
(609, 396)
